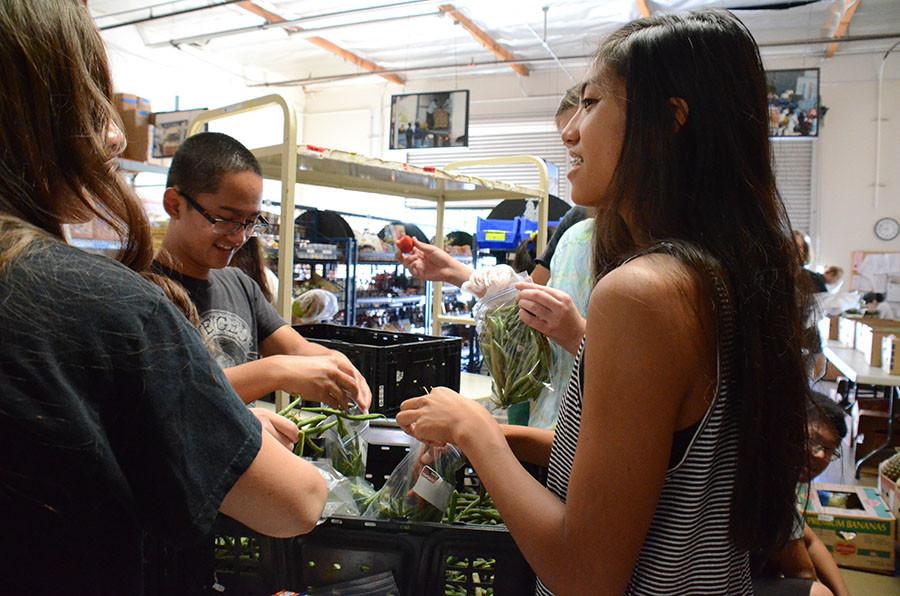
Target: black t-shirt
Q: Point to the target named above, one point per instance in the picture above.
(114, 422)
(572, 217)
(234, 314)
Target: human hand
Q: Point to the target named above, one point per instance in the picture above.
(552, 313)
(278, 426)
(329, 378)
(443, 416)
(431, 263)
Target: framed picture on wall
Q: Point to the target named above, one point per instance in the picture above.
(793, 102)
(429, 120)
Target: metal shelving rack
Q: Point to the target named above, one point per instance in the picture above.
(293, 164)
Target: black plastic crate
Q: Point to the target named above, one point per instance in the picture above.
(396, 365)
(465, 561)
(246, 563)
(348, 548)
(233, 560)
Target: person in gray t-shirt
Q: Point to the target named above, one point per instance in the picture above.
(213, 197)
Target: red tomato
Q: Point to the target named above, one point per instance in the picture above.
(405, 244)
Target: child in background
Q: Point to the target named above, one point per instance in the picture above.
(804, 566)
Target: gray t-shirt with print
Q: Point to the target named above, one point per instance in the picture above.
(235, 317)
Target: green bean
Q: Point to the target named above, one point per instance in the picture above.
(290, 406)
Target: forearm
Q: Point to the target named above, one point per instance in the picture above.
(307, 348)
(534, 516)
(253, 379)
(529, 444)
(826, 569)
(458, 274)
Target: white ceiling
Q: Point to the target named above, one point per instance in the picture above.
(416, 36)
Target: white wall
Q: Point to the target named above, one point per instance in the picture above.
(845, 169)
(329, 109)
(846, 157)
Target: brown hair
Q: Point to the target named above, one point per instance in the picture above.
(249, 258)
(176, 294)
(57, 164)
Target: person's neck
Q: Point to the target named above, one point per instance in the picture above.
(176, 260)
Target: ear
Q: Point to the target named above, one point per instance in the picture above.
(680, 109)
(173, 203)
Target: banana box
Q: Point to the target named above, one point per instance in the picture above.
(853, 522)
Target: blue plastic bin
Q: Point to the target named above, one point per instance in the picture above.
(497, 234)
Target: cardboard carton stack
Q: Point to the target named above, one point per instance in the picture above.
(135, 114)
(869, 334)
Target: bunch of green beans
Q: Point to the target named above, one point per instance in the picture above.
(312, 427)
(518, 356)
(472, 508)
(469, 572)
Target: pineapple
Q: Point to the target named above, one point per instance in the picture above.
(891, 467)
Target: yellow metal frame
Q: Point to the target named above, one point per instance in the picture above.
(438, 317)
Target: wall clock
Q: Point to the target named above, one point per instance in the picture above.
(887, 228)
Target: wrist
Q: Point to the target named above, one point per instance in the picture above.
(481, 433)
(459, 274)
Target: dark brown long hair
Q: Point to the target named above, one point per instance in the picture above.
(709, 184)
(57, 164)
(250, 259)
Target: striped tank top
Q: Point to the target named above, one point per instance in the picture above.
(688, 548)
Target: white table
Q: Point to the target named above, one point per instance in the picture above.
(852, 363)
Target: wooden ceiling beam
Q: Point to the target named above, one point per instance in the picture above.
(643, 8)
(846, 9)
(483, 38)
(322, 43)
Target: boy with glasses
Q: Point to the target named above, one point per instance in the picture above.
(804, 566)
(213, 197)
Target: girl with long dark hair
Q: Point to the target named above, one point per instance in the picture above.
(681, 437)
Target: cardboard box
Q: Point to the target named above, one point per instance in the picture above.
(127, 102)
(890, 355)
(847, 330)
(833, 322)
(136, 127)
(890, 494)
(170, 129)
(853, 522)
(869, 333)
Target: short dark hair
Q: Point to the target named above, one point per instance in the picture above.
(820, 409)
(202, 160)
(569, 101)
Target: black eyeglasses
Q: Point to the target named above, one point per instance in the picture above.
(226, 227)
(833, 453)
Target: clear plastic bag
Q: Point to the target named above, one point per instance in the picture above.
(487, 282)
(341, 500)
(416, 492)
(346, 446)
(314, 306)
(518, 356)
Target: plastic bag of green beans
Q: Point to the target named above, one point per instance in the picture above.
(517, 356)
(418, 492)
(346, 446)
